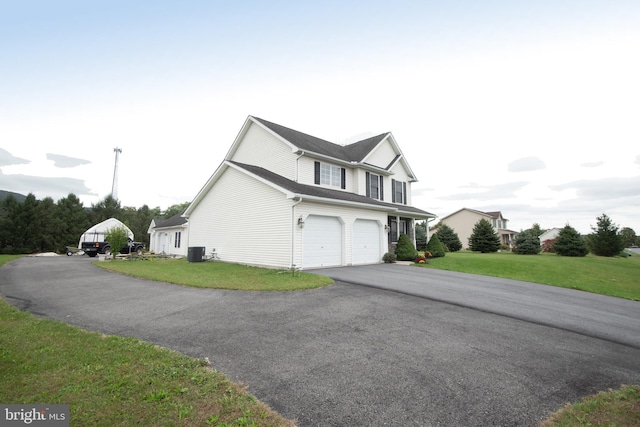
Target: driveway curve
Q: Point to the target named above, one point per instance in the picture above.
(343, 355)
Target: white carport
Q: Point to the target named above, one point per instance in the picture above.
(96, 232)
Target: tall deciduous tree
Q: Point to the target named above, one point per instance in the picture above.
(484, 238)
(605, 240)
(570, 243)
(449, 238)
(628, 236)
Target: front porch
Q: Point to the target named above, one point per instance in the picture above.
(397, 225)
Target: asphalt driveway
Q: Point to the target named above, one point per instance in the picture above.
(350, 354)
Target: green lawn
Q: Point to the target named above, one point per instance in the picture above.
(219, 275)
(616, 276)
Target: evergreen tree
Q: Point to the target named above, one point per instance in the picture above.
(421, 235)
(8, 217)
(405, 251)
(605, 240)
(48, 226)
(570, 243)
(74, 220)
(435, 246)
(449, 238)
(105, 209)
(484, 238)
(27, 227)
(527, 242)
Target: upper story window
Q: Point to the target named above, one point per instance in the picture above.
(326, 174)
(374, 186)
(399, 191)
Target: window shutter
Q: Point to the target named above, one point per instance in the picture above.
(381, 188)
(404, 192)
(343, 178)
(317, 173)
(393, 190)
(368, 184)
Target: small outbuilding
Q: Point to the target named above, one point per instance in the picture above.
(96, 232)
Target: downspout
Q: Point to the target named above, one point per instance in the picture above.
(293, 229)
(297, 168)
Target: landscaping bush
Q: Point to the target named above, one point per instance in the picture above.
(389, 258)
(405, 251)
(547, 246)
(435, 246)
(420, 259)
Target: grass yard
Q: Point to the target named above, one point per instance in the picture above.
(218, 275)
(616, 276)
(114, 381)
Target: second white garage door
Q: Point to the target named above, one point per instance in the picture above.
(366, 241)
(322, 239)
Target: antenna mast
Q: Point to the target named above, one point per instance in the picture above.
(114, 185)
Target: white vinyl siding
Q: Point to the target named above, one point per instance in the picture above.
(382, 155)
(249, 226)
(262, 149)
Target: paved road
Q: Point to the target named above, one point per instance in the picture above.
(346, 354)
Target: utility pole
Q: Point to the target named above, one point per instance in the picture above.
(114, 185)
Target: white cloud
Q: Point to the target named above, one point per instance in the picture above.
(61, 161)
(526, 164)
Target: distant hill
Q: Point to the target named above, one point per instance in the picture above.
(4, 194)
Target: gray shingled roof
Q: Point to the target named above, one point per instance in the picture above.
(174, 221)
(326, 193)
(355, 152)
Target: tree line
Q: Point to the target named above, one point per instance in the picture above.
(33, 225)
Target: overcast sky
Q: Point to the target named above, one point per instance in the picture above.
(527, 107)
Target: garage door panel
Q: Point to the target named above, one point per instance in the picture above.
(366, 242)
(322, 241)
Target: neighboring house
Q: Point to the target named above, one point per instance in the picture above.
(286, 199)
(169, 236)
(463, 221)
(549, 235)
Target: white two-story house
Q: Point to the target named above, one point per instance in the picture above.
(286, 199)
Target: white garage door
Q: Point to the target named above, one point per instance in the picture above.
(322, 245)
(366, 241)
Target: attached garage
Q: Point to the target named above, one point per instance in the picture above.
(322, 241)
(366, 242)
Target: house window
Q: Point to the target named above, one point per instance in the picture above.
(374, 186)
(399, 191)
(329, 175)
(177, 239)
(326, 174)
